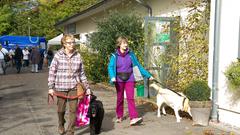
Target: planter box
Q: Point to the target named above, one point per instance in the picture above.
(200, 112)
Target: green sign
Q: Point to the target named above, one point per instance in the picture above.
(162, 38)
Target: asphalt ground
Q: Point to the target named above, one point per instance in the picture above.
(24, 111)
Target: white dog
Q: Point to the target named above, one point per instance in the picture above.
(177, 101)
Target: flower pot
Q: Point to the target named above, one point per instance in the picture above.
(200, 111)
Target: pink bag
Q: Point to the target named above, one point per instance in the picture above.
(82, 110)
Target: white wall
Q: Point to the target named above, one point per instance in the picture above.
(163, 8)
(228, 43)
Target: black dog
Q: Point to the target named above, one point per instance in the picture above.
(96, 114)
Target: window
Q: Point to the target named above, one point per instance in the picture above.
(71, 28)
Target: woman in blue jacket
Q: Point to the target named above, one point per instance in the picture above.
(124, 70)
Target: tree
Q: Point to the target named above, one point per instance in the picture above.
(43, 15)
(117, 24)
(5, 19)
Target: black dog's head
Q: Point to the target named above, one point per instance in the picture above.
(94, 107)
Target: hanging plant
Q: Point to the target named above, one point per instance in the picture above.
(232, 74)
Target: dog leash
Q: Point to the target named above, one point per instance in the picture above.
(155, 80)
(51, 98)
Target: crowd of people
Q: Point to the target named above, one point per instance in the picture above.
(22, 58)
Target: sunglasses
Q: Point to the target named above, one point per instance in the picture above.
(70, 43)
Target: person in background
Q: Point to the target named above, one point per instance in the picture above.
(34, 57)
(18, 58)
(65, 71)
(3, 66)
(12, 54)
(120, 69)
(25, 57)
(40, 64)
(50, 56)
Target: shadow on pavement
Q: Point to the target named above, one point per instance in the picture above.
(12, 86)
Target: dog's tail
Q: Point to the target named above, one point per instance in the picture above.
(185, 104)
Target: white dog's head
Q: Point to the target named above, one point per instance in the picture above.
(155, 86)
(186, 105)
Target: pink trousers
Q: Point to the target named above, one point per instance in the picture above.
(129, 88)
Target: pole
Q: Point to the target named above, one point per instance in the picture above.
(214, 115)
(29, 34)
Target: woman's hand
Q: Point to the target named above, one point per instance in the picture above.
(151, 78)
(51, 91)
(113, 79)
(88, 92)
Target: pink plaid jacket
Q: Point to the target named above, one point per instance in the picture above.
(65, 71)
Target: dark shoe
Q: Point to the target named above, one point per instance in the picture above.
(61, 122)
(61, 130)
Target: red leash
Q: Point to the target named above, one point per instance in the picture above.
(51, 98)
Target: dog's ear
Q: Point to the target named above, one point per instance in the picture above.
(186, 105)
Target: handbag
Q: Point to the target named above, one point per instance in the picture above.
(80, 90)
(6, 57)
(82, 112)
(124, 76)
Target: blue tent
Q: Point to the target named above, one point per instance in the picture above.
(22, 41)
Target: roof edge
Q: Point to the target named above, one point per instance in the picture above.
(60, 23)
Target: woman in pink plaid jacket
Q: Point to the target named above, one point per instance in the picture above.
(65, 71)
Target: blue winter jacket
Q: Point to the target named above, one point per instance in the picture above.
(112, 67)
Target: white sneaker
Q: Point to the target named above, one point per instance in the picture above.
(136, 121)
(119, 120)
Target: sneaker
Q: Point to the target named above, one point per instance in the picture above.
(136, 121)
(119, 120)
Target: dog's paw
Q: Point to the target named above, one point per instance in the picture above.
(158, 116)
(178, 120)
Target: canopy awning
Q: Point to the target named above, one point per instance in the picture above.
(22, 41)
(57, 40)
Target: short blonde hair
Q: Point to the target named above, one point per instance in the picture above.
(120, 40)
(65, 37)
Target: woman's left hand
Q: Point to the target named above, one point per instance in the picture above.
(151, 78)
(88, 92)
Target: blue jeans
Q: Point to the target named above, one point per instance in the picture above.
(18, 65)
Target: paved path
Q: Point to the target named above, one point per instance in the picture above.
(24, 111)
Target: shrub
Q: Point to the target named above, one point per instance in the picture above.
(115, 25)
(93, 66)
(198, 90)
(232, 74)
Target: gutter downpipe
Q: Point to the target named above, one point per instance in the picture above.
(146, 81)
(217, 9)
(146, 6)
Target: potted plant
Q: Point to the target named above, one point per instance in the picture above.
(232, 74)
(198, 93)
